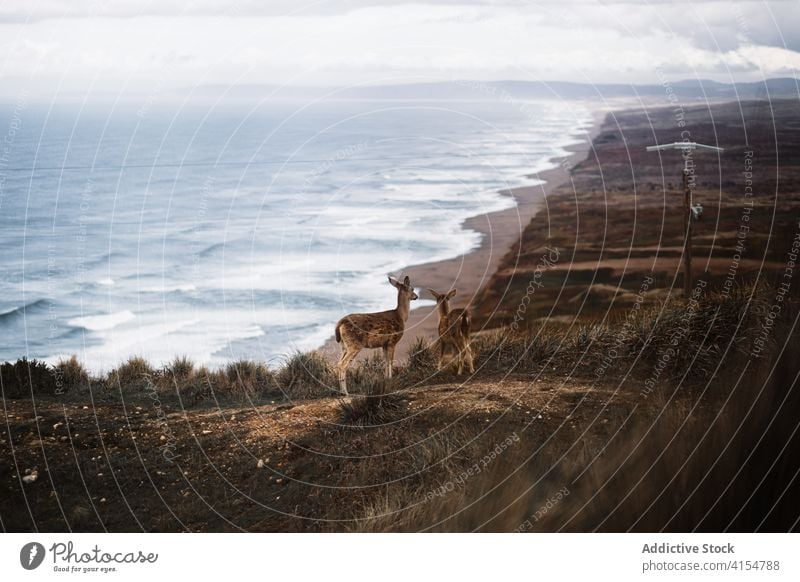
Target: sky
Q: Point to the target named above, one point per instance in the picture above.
(60, 48)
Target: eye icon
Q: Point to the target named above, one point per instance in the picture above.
(31, 555)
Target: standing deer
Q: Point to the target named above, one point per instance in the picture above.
(374, 330)
(454, 328)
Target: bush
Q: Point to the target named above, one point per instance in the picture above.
(180, 369)
(379, 405)
(26, 377)
(363, 375)
(504, 351)
(307, 375)
(134, 373)
(71, 375)
(422, 363)
(243, 380)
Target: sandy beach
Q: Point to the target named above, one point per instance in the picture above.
(501, 231)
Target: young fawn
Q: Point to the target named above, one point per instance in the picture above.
(454, 328)
(374, 330)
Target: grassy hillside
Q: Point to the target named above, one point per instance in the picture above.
(616, 230)
(555, 431)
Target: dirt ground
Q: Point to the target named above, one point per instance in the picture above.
(271, 467)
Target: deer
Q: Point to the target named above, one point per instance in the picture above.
(454, 329)
(374, 330)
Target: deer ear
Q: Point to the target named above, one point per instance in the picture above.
(407, 282)
(394, 281)
(452, 293)
(434, 293)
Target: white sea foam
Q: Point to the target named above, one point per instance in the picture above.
(102, 322)
(170, 287)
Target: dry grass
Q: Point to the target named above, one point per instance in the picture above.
(71, 375)
(711, 454)
(131, 375)
(180, 369)
(379, 404)
(25, 378)
(307, 375)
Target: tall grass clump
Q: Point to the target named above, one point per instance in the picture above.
(70, 375)
(421, 366)
(179, 369)
(133, 374)
(26, 377)
(362, 377)
(380, 404)
(505, 351)
(244, 380)
(307, 375)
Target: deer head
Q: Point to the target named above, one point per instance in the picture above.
(405, 292)
(443, 299)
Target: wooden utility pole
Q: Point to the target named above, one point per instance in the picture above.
(687, 239)
(687, 147)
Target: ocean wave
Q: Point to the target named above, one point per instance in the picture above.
(170, 288)
(211, 249)
(103, 321)
(34, 306)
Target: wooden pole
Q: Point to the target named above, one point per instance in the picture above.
(687, 242)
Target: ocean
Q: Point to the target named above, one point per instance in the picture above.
(241, 230)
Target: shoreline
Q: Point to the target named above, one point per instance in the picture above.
(501, 230)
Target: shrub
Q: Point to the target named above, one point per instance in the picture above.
(134, 373)
(363, 375)
(379, 405)
(307, 375)
(422, 363)
(243, 380)
(26, 377)
(180, 369)
(70, 375)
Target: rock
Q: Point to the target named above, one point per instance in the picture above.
(260, 464)
(31, 478)
(81, 514)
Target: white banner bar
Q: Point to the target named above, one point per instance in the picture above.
(400, 557)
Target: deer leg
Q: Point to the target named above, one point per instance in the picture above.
(460, 356)
(470, 361)
(388, 355)
(348, 354)
(444, 345)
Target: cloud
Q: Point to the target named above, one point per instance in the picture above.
(171, 44)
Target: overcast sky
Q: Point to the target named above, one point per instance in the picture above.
(54, 48)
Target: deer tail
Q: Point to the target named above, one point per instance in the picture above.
(466, 323)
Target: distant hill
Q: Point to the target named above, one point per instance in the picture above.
(483, 90)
